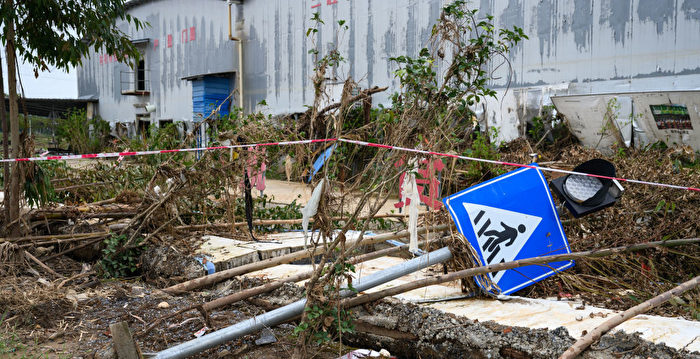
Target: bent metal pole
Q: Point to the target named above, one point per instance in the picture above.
(290, 311)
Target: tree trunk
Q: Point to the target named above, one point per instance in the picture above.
(14, 193)
(5, 147)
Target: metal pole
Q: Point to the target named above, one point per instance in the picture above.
(290, 311)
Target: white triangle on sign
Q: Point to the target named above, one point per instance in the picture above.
(501, 234)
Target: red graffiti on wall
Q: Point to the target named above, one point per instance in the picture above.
(328, 2)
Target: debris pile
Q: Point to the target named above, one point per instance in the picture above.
(109, 241)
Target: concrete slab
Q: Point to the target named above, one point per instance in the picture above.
(519, 311)
(228, 253)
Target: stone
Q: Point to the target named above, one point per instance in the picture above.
(266, 337)
(163, 305)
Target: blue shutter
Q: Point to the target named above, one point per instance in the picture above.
(207, 94)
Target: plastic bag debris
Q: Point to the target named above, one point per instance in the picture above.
(311, 208)
(201, 332)
(410, 191)
(366, 353)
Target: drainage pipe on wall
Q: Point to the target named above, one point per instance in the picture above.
(290, 311)
(239, 39)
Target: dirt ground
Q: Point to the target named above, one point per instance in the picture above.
(63, 324)
(60, 323)
(70, 317)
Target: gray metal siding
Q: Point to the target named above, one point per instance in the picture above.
(209, 52)
(575, 47)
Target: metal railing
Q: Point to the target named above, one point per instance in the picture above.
(135, 82)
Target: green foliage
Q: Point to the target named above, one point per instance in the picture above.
(38, 189)
(481, 147)
(166, 137)
(548, 128)
(262, 208)
(326, 315)
(665, 207)
(465, 82)
(61, 33)
(117, 261)
(333, 58)
(319, 316)
(10, 343)
(83, 135)
(537, 130)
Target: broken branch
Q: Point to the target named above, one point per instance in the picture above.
(471, 272)
(628, 314)
(42, 265)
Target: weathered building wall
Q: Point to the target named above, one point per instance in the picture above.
(595, 47)
(575, 47)
(185, 39)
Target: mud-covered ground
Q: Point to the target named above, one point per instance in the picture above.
(44, 321)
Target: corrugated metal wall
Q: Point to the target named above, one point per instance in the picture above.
(186, 39)
(575, 47)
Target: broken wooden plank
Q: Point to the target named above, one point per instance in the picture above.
(124, 345)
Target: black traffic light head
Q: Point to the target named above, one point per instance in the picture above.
(582, 194)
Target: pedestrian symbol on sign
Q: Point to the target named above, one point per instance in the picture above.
(501, 234)
(508, 218)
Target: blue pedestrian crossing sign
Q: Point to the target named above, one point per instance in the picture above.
(511, 217)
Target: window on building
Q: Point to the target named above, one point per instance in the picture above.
(141, 75)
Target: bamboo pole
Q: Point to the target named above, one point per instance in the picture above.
(628, 314)
(370, 297)
(60, 241)
(268, 287)
(272, 222)
(287, 258)
(54, 237)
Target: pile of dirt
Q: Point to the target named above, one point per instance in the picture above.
(165, 264)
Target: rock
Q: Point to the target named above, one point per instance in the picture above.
(384, 353)
(266, 337)
(163, 305)
(106, 353)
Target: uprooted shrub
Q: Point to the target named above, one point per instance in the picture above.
(119, 257)
(432, 112)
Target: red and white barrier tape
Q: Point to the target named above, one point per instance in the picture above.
(363, 143)
(156, 152)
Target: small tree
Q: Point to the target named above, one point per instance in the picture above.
(56, 33)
